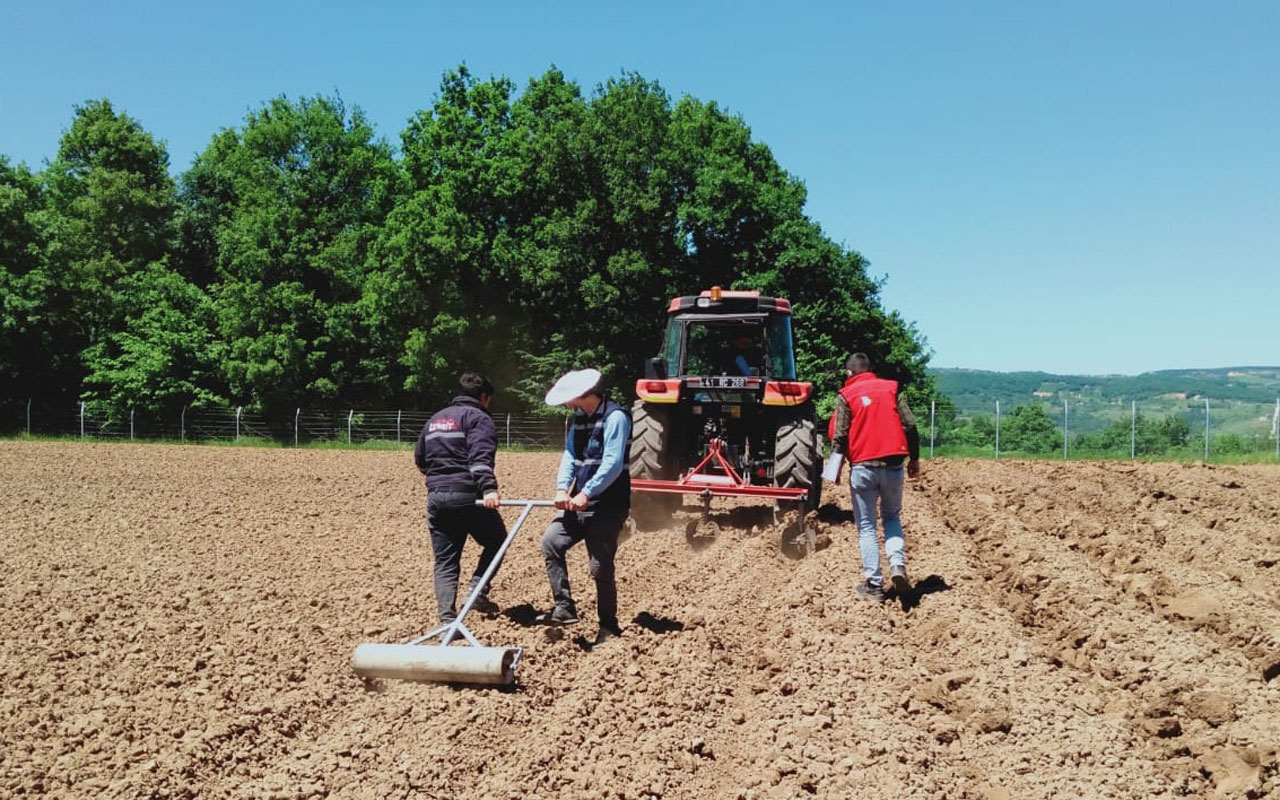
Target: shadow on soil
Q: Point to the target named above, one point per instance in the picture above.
(911, 598)
(657, 625)
(524, 615)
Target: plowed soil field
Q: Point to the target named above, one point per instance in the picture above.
(177, 622)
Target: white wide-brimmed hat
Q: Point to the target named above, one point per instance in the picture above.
(574, 383)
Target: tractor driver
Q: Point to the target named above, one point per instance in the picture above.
(740, 357)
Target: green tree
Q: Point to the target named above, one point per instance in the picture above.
(550, 231)
(438, 304)
(164, 355)
(1175, 430)
(520, 233)
(742, 218)
(976, 431)
(281, 217)
(1145, 436)
(24, 285)
(1028, 429)
(111, 225)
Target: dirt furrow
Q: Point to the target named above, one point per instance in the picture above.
(177, 622)
(1055, 556)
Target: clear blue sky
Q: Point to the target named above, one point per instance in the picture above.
(1076, 187)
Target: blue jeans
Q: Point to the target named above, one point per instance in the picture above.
(867, 485)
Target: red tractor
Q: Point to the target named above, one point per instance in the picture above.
(720, 412)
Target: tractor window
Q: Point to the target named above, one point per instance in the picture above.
(718, 348)
(671, 346)
(741, 345)
(702, 351)
(782, 359)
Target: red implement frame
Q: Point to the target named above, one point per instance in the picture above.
(730, 484)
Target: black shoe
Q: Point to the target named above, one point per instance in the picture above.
(482, 604)
(873, 593)
(558, 616)
(606, 633)
(901, 583)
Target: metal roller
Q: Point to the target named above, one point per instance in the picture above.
(444, 662)
(434, 663)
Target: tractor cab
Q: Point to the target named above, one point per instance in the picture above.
(730, 347)
(739, 345)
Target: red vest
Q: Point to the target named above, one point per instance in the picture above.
(875, 429)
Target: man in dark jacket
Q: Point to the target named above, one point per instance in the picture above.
(455, 452)
(593, 493)
(875, 431)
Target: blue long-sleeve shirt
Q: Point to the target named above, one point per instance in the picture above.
(617, 432)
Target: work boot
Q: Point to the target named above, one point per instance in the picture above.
(871, 592)
(606, 633)
(898, 577)
(559, 615)
(483, 604)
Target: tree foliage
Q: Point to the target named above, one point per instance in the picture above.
(1028, 429)
(282, 216)
(1146, 436)
(300, 261)
(25, 337)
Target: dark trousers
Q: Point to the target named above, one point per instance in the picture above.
(599, 529)
(451, 517)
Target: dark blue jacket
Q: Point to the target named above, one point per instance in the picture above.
(456, 448)
(586, 446)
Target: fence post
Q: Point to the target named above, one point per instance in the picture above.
(1206, 430)
(350, 414)
(131, 424)
(297, 412)
(29, 415)
(182, 425)
(398, 412)
(1066, 431)
(238, 410)
(1133, 430)
(508, 430)
(997, 430)
(82, 420)
(932, 412)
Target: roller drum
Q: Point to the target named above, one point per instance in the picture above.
(434, 663)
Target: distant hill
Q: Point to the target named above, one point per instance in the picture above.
(1241, 399)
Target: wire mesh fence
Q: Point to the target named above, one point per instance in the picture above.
(303, 427)
(1168, 428)
(1177, 428)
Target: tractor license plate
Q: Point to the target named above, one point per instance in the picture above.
(724, 382)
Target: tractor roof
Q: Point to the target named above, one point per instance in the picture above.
(717, 300)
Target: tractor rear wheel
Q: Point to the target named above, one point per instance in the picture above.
(797, 460)
(652, 458)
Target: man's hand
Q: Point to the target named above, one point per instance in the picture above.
(561, 500)
(491, 500)
(579, 502)
(913, 467)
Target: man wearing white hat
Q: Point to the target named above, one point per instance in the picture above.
(593, 492)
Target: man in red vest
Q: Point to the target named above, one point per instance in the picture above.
(874, 428)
